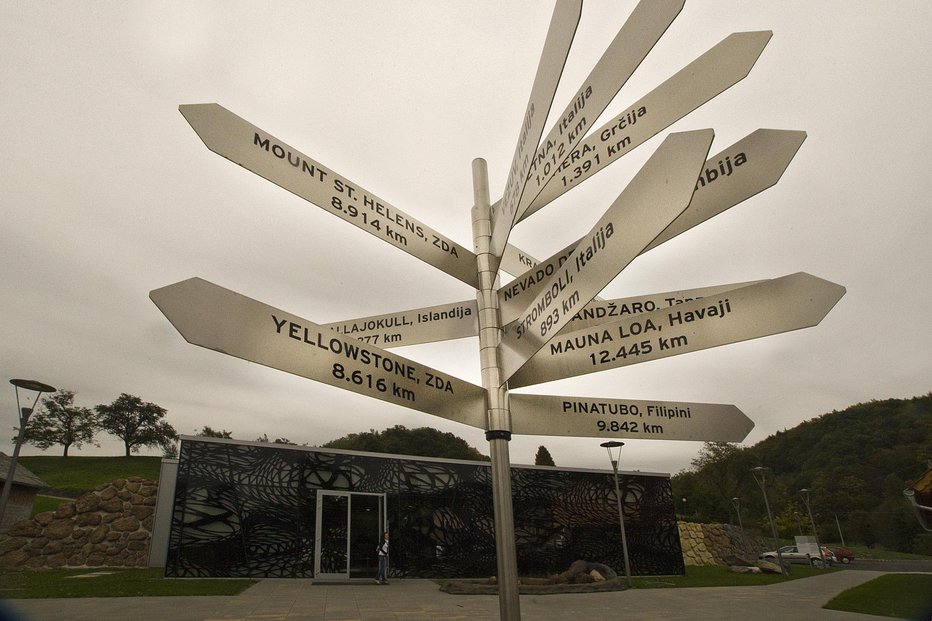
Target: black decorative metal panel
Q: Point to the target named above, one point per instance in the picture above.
(249, 510)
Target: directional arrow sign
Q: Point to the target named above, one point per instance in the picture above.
(647, 23)
(655, 197)
(780, 305)
(225, 321)
(556, 48)
(598, 312)
(763, 155)
(721, 67)
(595, 417)
(412, 327)
(516, 261)
(245, 144)
(748, 167)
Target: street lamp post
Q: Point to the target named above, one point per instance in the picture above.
(760, 475)
(614, 458)
(838, 525)
(736, 503)
(805, 494)
(24, 414)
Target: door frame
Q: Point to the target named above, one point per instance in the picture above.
(318, 524)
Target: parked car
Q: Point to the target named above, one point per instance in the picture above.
(844, 555)
(791, 554)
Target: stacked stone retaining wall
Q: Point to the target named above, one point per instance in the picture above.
(108, 527)
(716, 544)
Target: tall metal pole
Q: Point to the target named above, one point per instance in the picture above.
(498, 425)
(805, 493)
(736, 502)
(838, 526)
(621, 515)
(760, 476)
(24, 414)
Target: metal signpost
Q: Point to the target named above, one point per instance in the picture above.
(547, 323)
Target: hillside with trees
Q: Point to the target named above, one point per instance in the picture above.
(855, 464)
(399, 440)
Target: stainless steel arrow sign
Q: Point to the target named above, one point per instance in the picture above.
(597, 417)
(655, 197)
(715, 71)
(225, 321)
(556, 48)
(412, 327)
(256, 150)
(780, 305)
(647, 23)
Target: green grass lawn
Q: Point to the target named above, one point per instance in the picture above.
(904, 596)
(113, 582)
(73, 476)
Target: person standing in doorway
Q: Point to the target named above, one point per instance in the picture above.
(382, 576)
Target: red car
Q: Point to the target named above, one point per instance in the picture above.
(843, 554)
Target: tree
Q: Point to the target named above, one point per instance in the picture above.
(712, 481)
(543, 457)
(423, 441)
(137, 423)
(207, 432)
(265, 438)
(59, 421)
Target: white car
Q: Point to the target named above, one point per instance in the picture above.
(791, 554)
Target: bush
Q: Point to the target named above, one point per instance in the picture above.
(922, 544)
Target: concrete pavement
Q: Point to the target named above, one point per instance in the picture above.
(421, 600)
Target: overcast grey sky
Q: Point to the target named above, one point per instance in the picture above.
(108, 194)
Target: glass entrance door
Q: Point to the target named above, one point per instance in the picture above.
(349, 528)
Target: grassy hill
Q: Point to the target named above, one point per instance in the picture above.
(73, 476)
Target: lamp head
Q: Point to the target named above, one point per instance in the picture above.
(32, 385)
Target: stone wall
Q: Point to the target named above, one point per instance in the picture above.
(108, 527)
(716, 544)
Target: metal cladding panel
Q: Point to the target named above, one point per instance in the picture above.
(248, 510)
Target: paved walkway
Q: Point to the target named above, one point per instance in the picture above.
(421, 600)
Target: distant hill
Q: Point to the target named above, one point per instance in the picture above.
(855, 463)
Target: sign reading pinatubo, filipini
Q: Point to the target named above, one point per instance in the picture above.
(547, 323)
